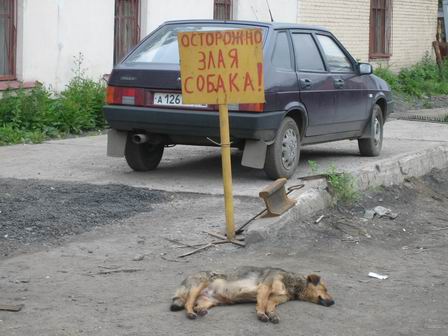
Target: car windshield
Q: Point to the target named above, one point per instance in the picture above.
(162, 47)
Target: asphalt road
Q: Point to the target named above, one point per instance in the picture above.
(198, 169)
(93, 284)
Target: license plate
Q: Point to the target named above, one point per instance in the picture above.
(171, 99)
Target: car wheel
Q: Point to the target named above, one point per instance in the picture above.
(142, 157)
(372, 145)
(282, 157)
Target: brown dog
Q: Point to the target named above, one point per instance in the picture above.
(268, 287)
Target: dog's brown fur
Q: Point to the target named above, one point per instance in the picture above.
(268, 287)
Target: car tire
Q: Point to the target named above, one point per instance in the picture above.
(282, 157)
(372, 146)
(142, 157)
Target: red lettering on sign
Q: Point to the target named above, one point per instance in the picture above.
(232, 80)
(211, 60)
(260, 75)
(209, 39)
(220, 84)
(249, 37)
(186, 84)
(221, 63)
(258, 36)
(192, 40)
(185, 41)
(218, 37)
(238, 37)
(233, 54)
(200, 83)
(227, 37)
(248, 82)
(202, 63)
(210, 84)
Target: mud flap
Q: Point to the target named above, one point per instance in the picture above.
(116, 143)
(254, 154)
(276, 199)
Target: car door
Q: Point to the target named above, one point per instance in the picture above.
(315, 82)
(351, 94)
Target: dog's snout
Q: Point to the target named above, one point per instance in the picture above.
(326, 302)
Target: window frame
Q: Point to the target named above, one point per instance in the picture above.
(12, 58)
(119, 20)
(291, 50)
(225, 6)
(385, 30)
(312, 33)
(344, 51)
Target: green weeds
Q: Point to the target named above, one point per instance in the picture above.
(423, 79)
(342, 185)
(31, 116)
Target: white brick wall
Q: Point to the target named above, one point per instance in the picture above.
(413, 26)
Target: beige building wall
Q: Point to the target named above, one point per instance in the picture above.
(413, 30)
(348, 20)
(414, 25)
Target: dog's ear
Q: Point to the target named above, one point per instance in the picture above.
(313, 278)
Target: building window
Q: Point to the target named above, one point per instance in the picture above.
(223, 10)
(7, 39)
(380, 28)
(127, 28)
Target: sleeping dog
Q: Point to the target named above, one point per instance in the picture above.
(266, 286)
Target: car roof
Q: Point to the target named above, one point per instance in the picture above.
(273, 25)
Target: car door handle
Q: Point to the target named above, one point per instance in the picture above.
(339, 83)
(305, 83)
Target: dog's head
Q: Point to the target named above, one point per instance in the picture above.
(316, 292)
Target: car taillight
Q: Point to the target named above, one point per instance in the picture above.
(258, 107)
(125, 96)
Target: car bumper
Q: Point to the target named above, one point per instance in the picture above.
(243, 125)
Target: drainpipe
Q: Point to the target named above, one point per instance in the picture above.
(445, 15)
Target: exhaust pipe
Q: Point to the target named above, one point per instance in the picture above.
(139, 138)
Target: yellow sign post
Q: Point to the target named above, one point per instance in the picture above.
(221, 68)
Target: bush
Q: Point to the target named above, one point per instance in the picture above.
(422, 79)
(31, 116)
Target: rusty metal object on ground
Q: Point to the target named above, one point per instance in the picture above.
(276, 199)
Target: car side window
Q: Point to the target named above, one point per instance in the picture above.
(281, 57)
(308, 57)
(336, 59)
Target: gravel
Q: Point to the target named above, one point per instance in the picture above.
(35, 212)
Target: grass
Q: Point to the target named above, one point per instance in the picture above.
(342, 185)
(31, 116)
(421, 80)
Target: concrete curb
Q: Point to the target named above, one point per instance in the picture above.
(316, 197)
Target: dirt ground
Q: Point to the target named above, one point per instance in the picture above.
(79, 277)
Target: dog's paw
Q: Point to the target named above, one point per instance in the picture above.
(192, 316)
(262, 317)
(273, 317)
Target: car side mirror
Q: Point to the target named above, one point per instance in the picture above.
(365, 69)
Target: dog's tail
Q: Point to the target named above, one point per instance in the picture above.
(177, 304)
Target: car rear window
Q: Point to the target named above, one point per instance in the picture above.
(162, 47)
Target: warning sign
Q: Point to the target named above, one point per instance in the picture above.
(222, 67)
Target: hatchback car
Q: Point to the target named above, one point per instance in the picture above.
(315, 92)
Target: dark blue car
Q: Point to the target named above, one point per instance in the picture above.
(315, 92)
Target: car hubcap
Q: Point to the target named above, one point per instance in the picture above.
(289, 148)
(377, 132)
